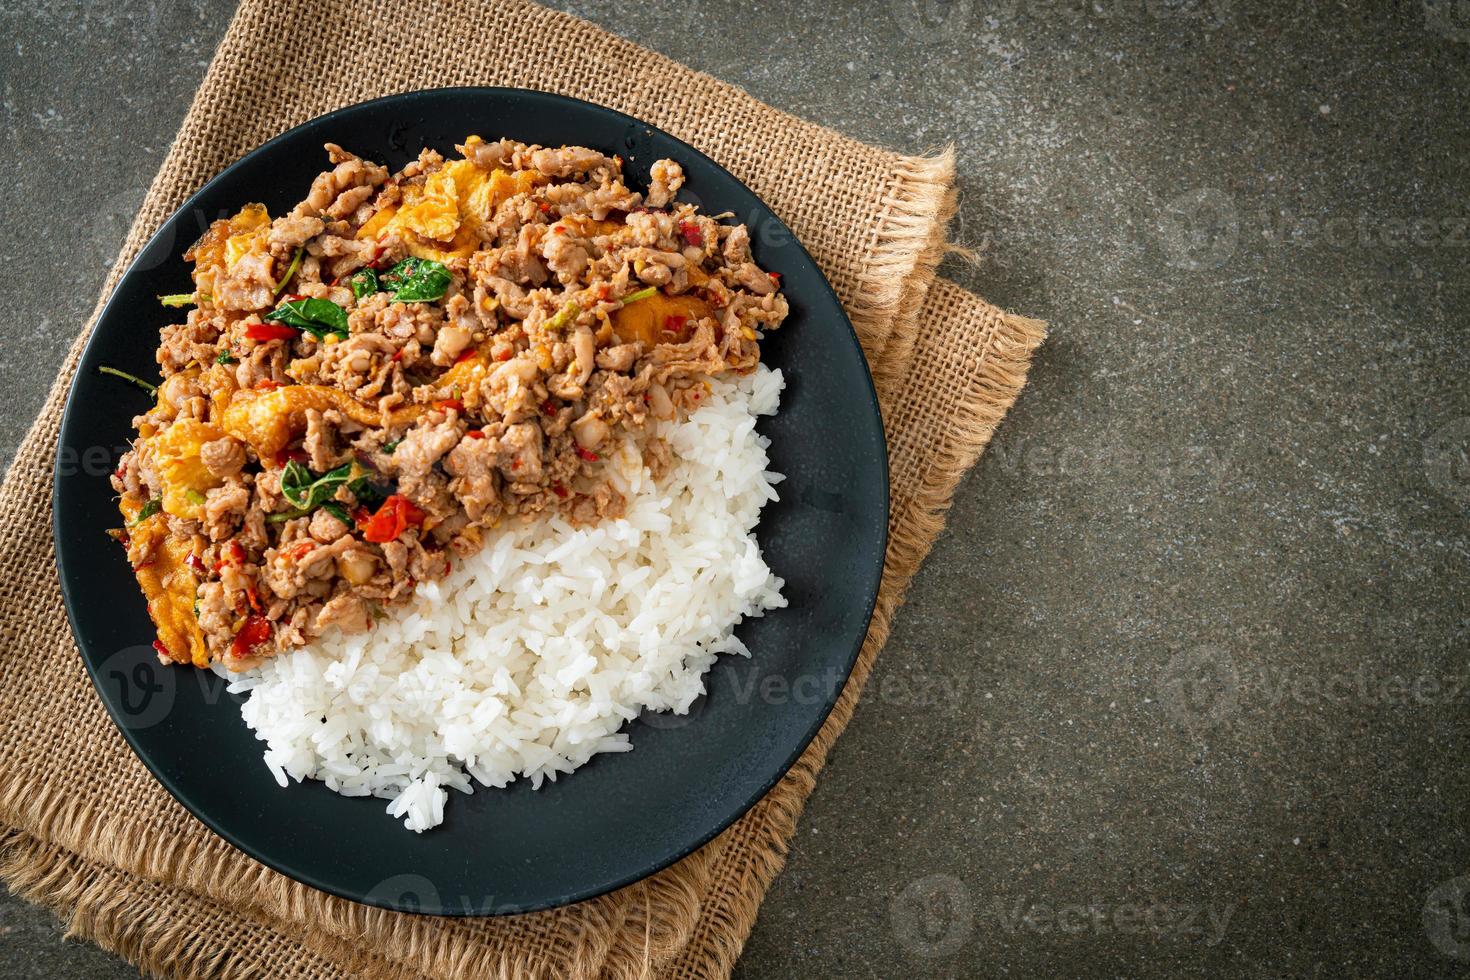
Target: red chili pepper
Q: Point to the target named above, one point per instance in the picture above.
(253, 596)
(299, 550)
(588, 455)
(268, 384)
(691, 233)
(270, 331)
(543, 207)
(162, 650)
(548, 408)
(335, 281)
(675, 324)
(397, 355)
(776, 278)
(475, 434)
(468, 355)
(393, 516)
(256, 631)
(604, 293)
(445, 404)
(361, 516)
(559, 490)
(235, 556)
(506, 354)
(195, 565)
(515, 464)
(293, 297)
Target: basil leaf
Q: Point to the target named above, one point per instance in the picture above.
(338, 510)
(317, 317)
(416, 280)
(149, 509)
(305, 491)
(364, 284)
(368, 492)
(295, 479)
(225, 357)
(402, 271)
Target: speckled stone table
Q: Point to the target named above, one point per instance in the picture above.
(1183, 688)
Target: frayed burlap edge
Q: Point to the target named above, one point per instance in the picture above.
(145, 923)
(662, 910)
(908, 243)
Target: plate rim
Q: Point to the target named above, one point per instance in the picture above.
(872, 580)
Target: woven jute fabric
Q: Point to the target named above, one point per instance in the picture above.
(86, 830)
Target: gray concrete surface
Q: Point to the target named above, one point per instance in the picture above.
(1182, 689)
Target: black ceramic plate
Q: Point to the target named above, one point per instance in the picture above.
(619, 818)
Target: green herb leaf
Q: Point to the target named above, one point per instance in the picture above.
(640, 294)
(152, 389)
(317, 317)
(388, 447)
(368, 492)
(177, 299)
(364, 283)
(290, 271)
(564, 317)
(305, 491)
(225, 357)
(338, 510)
(149, 509)
(416, 280)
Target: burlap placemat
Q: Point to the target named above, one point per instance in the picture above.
(87, 830)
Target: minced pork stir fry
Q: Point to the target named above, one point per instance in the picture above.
(369, 385)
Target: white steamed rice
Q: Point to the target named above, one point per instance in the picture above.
(530, 657)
